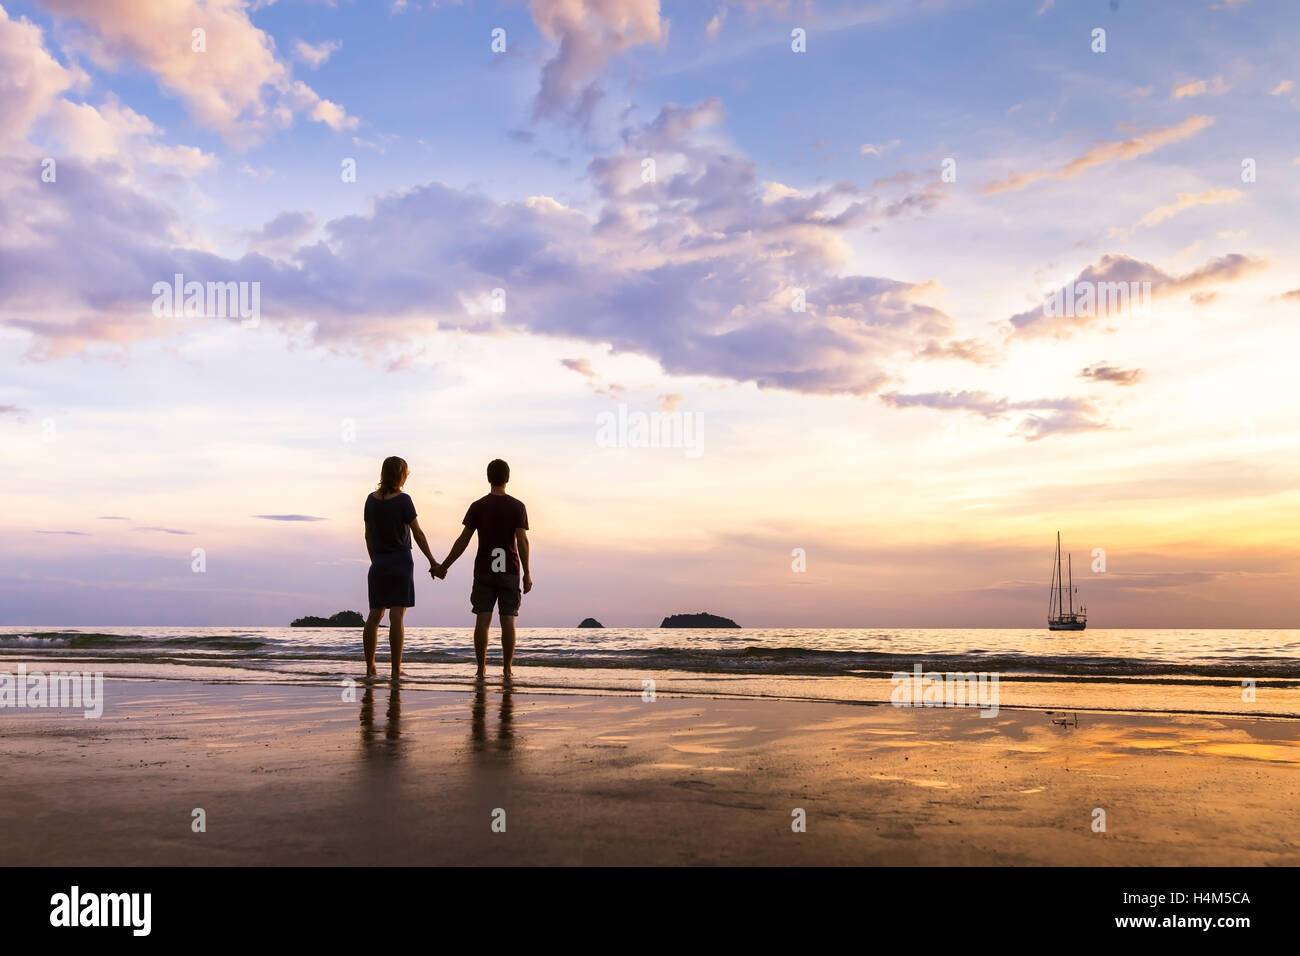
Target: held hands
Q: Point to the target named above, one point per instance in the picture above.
(437, 571)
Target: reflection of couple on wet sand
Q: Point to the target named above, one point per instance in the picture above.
(481, 742)
(502, 525)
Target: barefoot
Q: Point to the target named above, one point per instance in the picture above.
(480, 674)
(506, 675)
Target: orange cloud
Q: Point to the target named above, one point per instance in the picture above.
(1105, 153)
(1187, 201)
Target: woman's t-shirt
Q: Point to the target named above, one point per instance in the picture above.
(387, 523)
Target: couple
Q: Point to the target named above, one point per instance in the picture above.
(502, 525)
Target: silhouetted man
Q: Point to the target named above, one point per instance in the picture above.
(502, 525)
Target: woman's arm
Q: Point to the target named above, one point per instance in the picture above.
(422, 541)
(370, 548)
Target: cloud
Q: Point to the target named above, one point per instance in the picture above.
(701, 269)
(1112, 278)
(752, 8)
(316, 55)
(1102, 372)
(280, 237)
(587, 33)
(118, 132)
(1037, 427)
(112, 518)
(30, 79)
(1284, 87)
(12, 410)
(1058, 415)
(670, 402)
(1105, 153)
(289, 518)
(54, 340)
(1214, 87)
(962, 350)
(1292, 296)
(305, 100)
(77, 262)
(163, 530)
(1187, 201)
(869, 149)
(84, 534)
(238, 87)
(714, 26)
(594, 381)
(980, 403)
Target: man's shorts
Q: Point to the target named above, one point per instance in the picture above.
(501, 589)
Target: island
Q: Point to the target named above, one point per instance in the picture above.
(698, 620)
(590, 622)
(341, 619)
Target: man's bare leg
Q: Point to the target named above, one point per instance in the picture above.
(370, 638)
(396, 638)
(508, 643)
(482, 621)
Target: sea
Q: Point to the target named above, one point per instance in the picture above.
(1246, 672)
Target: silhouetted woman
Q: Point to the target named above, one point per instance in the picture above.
(390, 525)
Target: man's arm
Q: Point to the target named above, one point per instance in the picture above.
(422, 541)
(521, 542)
(457, 549)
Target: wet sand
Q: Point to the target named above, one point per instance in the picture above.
(299, 775)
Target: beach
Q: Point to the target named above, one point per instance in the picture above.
(299, 774)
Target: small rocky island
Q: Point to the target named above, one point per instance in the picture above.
(590, 622)
(341, 619)
(698, 620)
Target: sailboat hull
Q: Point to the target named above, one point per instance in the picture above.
(1066, 625)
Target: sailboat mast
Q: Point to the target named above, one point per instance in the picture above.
(1060, 605)
(1071, 560)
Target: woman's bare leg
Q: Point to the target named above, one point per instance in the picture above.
(396, 637)
(370, 639)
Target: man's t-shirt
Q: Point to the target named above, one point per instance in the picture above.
(387, 523)
(495, 518)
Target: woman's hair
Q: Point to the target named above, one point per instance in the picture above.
(391, 475)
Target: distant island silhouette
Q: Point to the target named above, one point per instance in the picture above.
(341, 619)
(590, 622)
(702, 619)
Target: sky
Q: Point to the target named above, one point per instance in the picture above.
(825, 248)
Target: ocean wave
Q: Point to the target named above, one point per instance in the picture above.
(81, 640)
(254, 648)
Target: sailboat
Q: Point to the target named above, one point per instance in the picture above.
(1061, 614)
